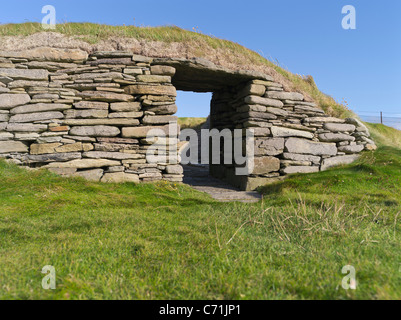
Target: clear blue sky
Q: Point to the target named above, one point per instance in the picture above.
(362, 66)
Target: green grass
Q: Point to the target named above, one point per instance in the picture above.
(167, 241)
(193, 123)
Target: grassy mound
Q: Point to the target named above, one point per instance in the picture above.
(200, 45)
(166, 241)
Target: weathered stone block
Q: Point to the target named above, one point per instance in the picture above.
(162, 70)
(295, 145)
(174, 169)
(44, 148)
(153, 78)
(351, 149)
(26, 127)
(159, 119)
(126, 106)
(53, 157)
(90, 175)
(263, 101)
(263, 165)
(163, 109)
(40, 107)
(337, 161)
(90, 113)
(105, 96)
(72, 147)
(287, 132)
(84, 164)
(335, 137)
(95, 131)
(112, 155)
(132, 114)
(339, 127)
(8, 101)
(91, 105)
(153, 90)
(101, 122)
(40, 116)
(25, 74)
(300, 169)
(120, 177)
(269, 146)
(13, 146)
(302, 157)
(284, 95)
(48, 54)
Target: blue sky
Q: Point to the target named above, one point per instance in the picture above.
(362, 66)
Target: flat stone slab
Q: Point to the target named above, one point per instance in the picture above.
(198, 178)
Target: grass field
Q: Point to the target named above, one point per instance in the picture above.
(166, 241)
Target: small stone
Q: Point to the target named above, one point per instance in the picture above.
(351, 149)
(284, 95)
(301, 146)
(174, 169)
(90, 175)
(8, 101)
(300, 169)
(40, 107)
(72, 147)
(335, 137)
(339, 127)
(91, 105)
(84, 164)
(25, 74)
(263, 165)
(126, 107)
(287, 132)
(40, 116)
(90, 113)
(44, 148)
(163, 70)
(337, 161)
(53, 157)
(105, 96)
(263, 101)
(13, 146)
(120, 177)
(26, 127)
(125, 115)
(153, 78)
(159, 119)
(152, 90)
(95, 131)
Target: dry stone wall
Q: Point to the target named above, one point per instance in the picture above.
(89, 115)
(291, 135)
(86, 116)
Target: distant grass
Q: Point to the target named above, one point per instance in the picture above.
(192, 123)
(167, 241)
(384, 135)
(93, 33)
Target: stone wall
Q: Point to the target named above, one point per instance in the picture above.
(86, 116)
(89, 115)
(291, 135)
